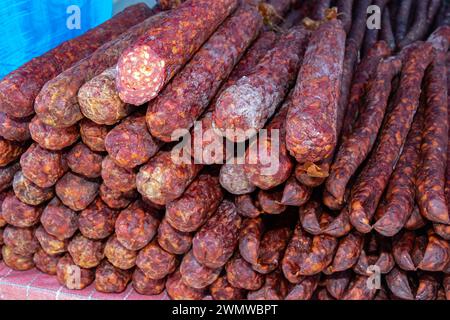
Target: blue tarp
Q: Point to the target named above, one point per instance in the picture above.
(31, 27)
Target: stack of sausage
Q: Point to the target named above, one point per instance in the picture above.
(356, 206)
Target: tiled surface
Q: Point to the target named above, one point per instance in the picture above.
(35, 285)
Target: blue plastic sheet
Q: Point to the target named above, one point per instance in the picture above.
(31, 27)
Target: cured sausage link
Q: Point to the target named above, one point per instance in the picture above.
(373, 179)
(145, 67)
(189, 93)
(19, 88)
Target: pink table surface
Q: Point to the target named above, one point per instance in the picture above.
(35, 285)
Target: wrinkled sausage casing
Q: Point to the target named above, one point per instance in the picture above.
(145, 67)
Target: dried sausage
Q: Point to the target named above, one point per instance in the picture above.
(312, 118)
(200, 200)
(110, 279)
(428, 287)
(345, 13)
(155, 262)
(59, 220)
(403, 246)
(271, 250)
(177, 290)
(19, 89)
(185, 98)
(363, 72)
(320, 8)
(57, 104)
(72, 276)
(49, 243)
(398, 283)
(29, 193)
(436, 255)
(221, 289)
(415, 221)
(169, 4)
(7, 175)
(76, 192)
(307, 255)
(295, 193)
(358, 144)
(136, 226)
(14, 129)
(372, 34)
(246, 206)
(15, 261)
(267, 162)
(250, 239)
(118, 255)
(195, 274)
(233, 178)
(116, 199)
(129, 144)
(173, 240)
(145, 285)
(97, 220)
(85, 252)
(116, 177)
(403, 18)
(373, 179)
(45, 262)
(240, 274)
(52, 138)
(243, 108)
(43, 167)
(275, 288)
(430, 181)
(22, 241)
(419, 27)
(398, 203)
(84, 161)
(337, 283)
(305, 289)
(99, 100)
(270, 201)
(216, 240)
(347, 253)
(387, 33)
(359, 290)
(162, 179)
(10, 151)
(151, 62)
(19, 214)
(93, 135)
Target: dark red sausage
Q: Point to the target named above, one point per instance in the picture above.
(363, 72)
(196, 205)
(53, 138)
(19, 88)
(419, 27)
(149, 64)
(43, 167)
(398, 201)
(402, 19)
(130, 144)
(162, 180)
(372, 181)
(312, 118)
(358, 144)
(252, 100)
(189, 93)
(13, 128)
(215, 242)
(430, 181)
